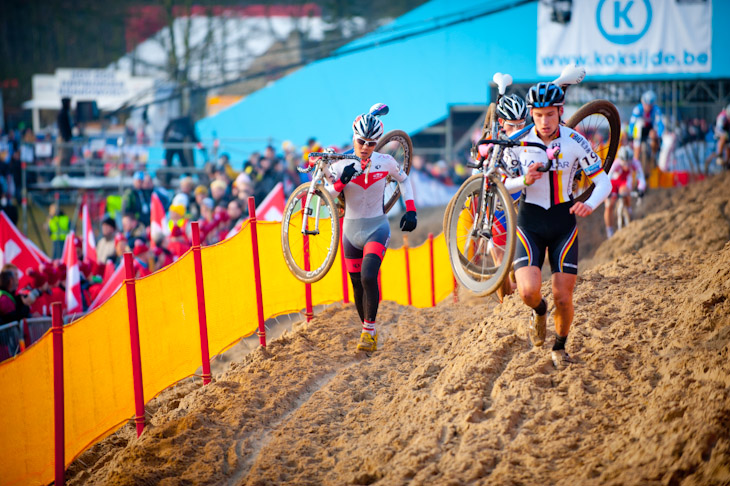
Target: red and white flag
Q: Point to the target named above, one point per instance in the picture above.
(88, 242)
(272, 207)
(73, 277)
(13, 246)
(37, 251)
(158, 220)
(111, 285)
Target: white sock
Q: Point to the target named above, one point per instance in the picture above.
(368, 327)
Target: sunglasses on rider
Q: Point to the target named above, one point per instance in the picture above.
(369, 143)
(516, 125)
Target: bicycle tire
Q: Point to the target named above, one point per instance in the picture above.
(398, 144)
(323, 247)
(489, 120)
(607, 111)
(469, 268)
(447, 213)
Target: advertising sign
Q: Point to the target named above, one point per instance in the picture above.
(627, 37)
(110, 89)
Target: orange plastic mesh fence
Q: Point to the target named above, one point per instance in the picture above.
(97, 357)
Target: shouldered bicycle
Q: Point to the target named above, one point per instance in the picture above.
(479, 222)
(310, 228)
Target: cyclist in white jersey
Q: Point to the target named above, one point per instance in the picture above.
(365, 228)
(511, 116)
(546, 220)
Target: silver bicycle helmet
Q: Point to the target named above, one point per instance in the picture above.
(543, 95)
(511, 107)
(648, 98)
(367, 126)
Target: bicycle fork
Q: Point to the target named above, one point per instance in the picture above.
(307, 209)
(482, 224)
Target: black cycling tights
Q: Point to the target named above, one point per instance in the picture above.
(365, 285)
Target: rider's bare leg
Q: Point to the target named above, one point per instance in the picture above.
(608, 213)
(563, 285)
(529, 283)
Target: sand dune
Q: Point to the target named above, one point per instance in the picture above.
(456, 394)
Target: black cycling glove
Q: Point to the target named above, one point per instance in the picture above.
(408, 222)
(347, 173)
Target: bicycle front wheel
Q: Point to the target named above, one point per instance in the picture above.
(481, 246)
(600, 124)
(397, 144)
(310, 250)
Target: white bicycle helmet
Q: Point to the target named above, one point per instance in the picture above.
(511, 108)
(649, 97)
(543, 95)
(625, 153)
(367, 126)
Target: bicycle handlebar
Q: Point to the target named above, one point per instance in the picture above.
(551, 153)
(326, 156)
(332, 156)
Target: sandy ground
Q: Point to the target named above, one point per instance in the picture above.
(456, 395)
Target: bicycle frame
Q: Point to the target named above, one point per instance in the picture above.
(324, 159)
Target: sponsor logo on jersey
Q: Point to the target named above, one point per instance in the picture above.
(593, 169)
(373, 178)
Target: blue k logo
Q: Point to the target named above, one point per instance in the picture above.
(623, 21)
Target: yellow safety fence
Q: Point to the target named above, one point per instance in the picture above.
(98, 384)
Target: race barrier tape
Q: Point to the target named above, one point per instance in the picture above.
(96, 357)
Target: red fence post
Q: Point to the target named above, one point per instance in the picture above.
(202, 319)
(59, 426)
(257, 271)
(134, 339)
(345, 290)
(433, 274)
(307, 286)
(408, 270)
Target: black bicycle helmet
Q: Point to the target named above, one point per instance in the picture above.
(511, 108)
(543, 95)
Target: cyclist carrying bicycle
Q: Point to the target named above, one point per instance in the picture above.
(365, 228)
(511, 116)
(646, 123)
(622, 182)
(546, 220)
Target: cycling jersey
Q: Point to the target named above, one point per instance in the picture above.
(651, 119)
(625, 176)
(555, 186)
(364, 193)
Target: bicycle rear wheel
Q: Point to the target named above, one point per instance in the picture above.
(489, 120)
(481, 252)
(398, 144)
(309, 257)
(599, 122)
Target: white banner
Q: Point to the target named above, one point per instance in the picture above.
(110, 89)
(627, 37)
